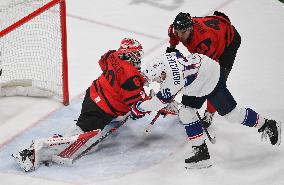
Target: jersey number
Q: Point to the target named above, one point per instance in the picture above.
(213, 23)
(136, 81)
(109, 74)
(203, 47)
(167, 93)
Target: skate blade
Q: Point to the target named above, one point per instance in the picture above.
(199, 165)
(23, 166)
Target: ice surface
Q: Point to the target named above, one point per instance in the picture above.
(256, 81)
(126, 151)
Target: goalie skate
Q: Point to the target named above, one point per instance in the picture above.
(25, 159)
(30, 159)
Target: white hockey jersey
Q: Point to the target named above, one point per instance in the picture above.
(194, 75)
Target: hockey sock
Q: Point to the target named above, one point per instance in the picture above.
(245, 116)
(192, 124)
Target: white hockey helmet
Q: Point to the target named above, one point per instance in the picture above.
(154, 69)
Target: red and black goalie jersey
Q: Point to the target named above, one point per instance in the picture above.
(118, 87)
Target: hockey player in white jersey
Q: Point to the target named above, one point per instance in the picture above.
(198, 78)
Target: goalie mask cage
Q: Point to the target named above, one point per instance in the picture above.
(33, 44)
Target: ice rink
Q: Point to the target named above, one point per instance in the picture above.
(130, 157)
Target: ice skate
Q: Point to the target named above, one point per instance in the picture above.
(30, 159)
(25, 159)
(207, 119)
(271, 129)
(200, 159)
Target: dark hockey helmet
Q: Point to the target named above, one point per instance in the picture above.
(131, 50)
(182, 21)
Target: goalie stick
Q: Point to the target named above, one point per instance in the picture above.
(69, 161)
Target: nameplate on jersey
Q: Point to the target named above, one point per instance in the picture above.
(175, 73)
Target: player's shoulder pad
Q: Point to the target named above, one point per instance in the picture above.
(221, 14)
(105, 56)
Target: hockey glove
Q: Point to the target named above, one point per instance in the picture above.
(136, 112)
(174, 40)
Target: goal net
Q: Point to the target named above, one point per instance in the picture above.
(33, 46)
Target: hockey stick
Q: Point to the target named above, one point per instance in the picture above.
(112, 130)
(163, 110)
(148, 128)
(69, 161)
(212, 140)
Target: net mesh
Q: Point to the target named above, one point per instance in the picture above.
(32, 51)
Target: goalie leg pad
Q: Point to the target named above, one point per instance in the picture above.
(83, 142)
(44, 150)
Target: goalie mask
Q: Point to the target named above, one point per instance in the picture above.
(131, 50)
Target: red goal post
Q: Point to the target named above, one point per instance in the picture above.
(33, 45)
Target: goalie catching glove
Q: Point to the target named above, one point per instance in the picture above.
(136, 112)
